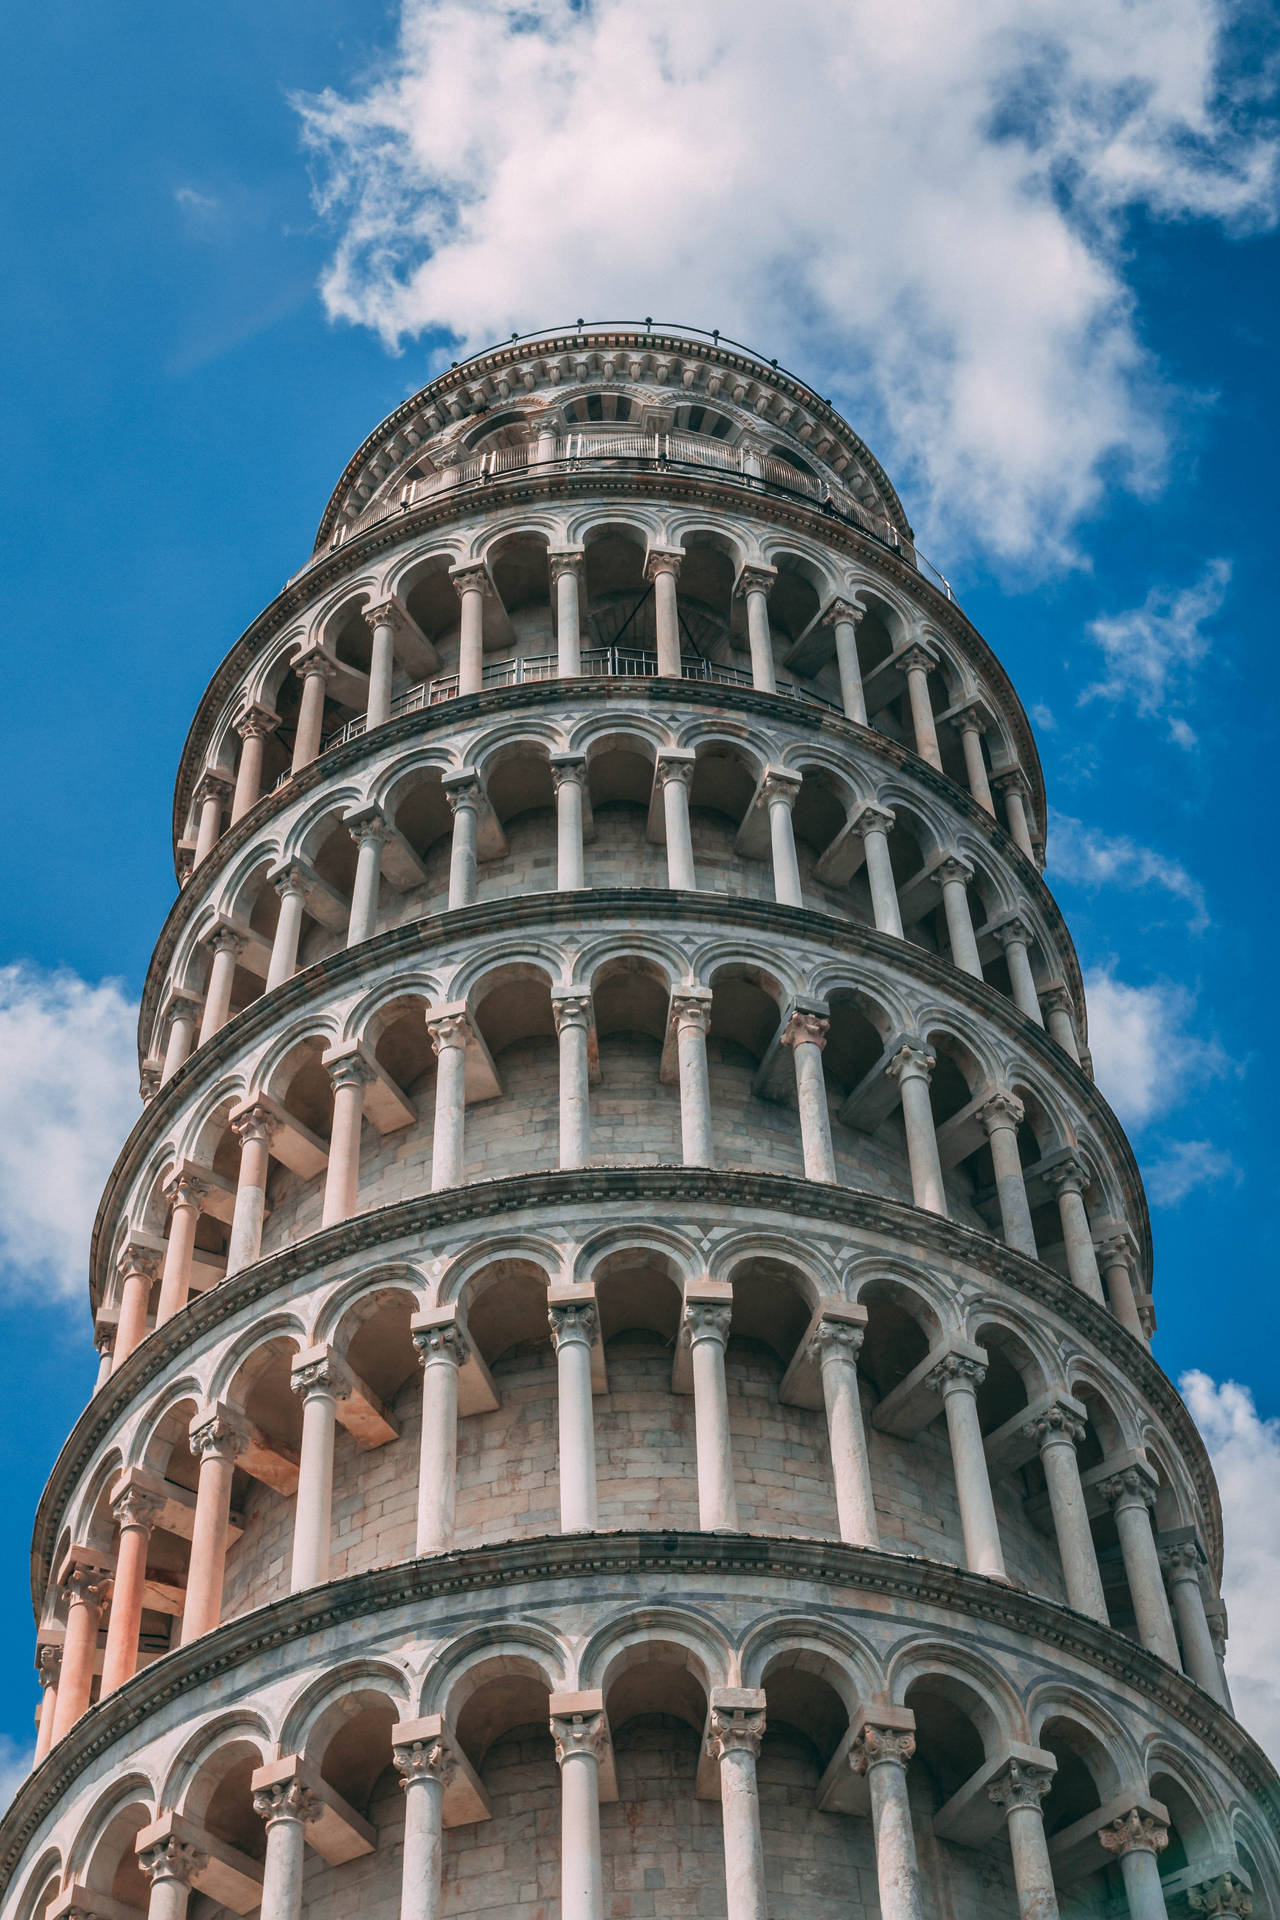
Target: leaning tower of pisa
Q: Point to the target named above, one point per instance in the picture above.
(624, 1320)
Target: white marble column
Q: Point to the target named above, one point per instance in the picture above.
(253, 726)
(953, 875)
(1115, 1255)
(1134, 1841)
(212, 796)
(170, 1867)
(473, 587)
(663, 568)
(425, 1768)
(1068, 1178)
(442, 1348)
(186, 1194)
(691, 1011)
(844, 618)
(754, 584)
(315, 669)
(449, 1040)
(705, 1326)
(912, 1067)
(573, 1333)
(384, 621)
(1000, 1117)
(49, 1669)
(369, 831)
(349, 1075)
(676, 778)
(226, 948)
(882, 1753)
(84, 1583)
(1060, 1015)
(1057, 1433)
(957, 1378)
(1019, 1791)
(183, 1015)
(1131, 1495)
(566, 577)
(1014, 936)
(218, 1437)
(572, 1014)
(321, 1380)
(463, 792)
(836, 1343)
(917, 663)
(735, 1731)
(875, 825)
(138, 1272)
(582, 1740)
(1181, 1563)
(254, 1126)
(287, 1809)
(779, 791)
(136, 1505)
(806, 1035)
(569, 774)
(291, 888)
(1012, 783)
(968, 723)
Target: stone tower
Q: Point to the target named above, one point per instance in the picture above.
(625, 1387)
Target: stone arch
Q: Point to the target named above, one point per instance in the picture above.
(359, 1297)
(102, 1855)
(312, 1719)
(804, 1643)
(209, 1780)
(971, 1683)
(43, 1884)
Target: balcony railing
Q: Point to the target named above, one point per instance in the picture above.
(665, 451)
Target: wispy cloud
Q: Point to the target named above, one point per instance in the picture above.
(1085, 857)
(1146, 1050)
(68, 1096)
(15, 1765)
(1152, 651)
(923, 206)
(1185, 1165)
(1245, 1451)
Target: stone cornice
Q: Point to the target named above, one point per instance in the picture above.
(536, 694)
(690, 1188)
(589, 907)
(626, 1562)
(531, 485)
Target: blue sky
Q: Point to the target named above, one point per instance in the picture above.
(1066, 360)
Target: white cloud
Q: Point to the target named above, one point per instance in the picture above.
(1152, 651)
(15, 1765)
(1146, 1054)
(1183, 1166)
(921, 206)
(1245, 1451)
(68, 1096)
(1085, 857)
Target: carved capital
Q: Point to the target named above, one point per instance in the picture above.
(580, 1733)
(838, 612)
(84, 1583)
(782, 787)
(679, 770)
(447, 1341)
(692, 1009)
(186, 1189)
(463, 790)
(289, 879)
(220, 1434)
(912, 1061)
(1114, 1250)
(1223, 1894)
(1020, 1785)
(139, 1260)
(424, 1760)
(1134, 1832)
(1011, 780)
(970, 719)
(351, 1070)
(49, 1666)
(755, 580)
(1056, 1423)
(951, 869)
(325, 1374)
(472, 579)
(736, 1729)
(173, 1859)
(568, 770)
(956, 1373)
(572, 1320)
(1181, 1562)
(226, 940)
(213, 785)
(369, 829)
(257, 722)
(916, 659)
(1001, 1111)
(290, 1800)
(136, 1506)
(1067, 1175)
(256, 1124)
(1127, 1488)
(831, 1338)
(881, 1746)
(706, 1320)
(558, 564)
(872, 819)
(1056, 999)
(449, 1030)
(571, 1010)
(1013, 932)
(387, 613)
(806, 1029)
(315, 661)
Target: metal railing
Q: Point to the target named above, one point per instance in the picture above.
(570, 452)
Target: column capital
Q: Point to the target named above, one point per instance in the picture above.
(172, 1859)
(805, 1029)
(972, 717)
(1011, 780)
(950, 868)
(105, 1325)
(287, 1800)
(1181, 1561)
(438, 1334)
(916, 658)
(1020, 1784)
(777, 784)
(138, 1259)
(568, 770)
(565, 560)
(1116, 1250)
(571, 1010)
(463, 789)
(213, 784)
(706, 1316)
(838, 1336)
(1056, 1423)
(138, 1500)
(319, 1370)
(735, 1721)
(1001, 1109)
(1134, 1485)
(675, 766)
(256, 722)
(219, 1432)
(49, 1664)
(572, 1320)
(368, 824)
(839, 610)
(580, 1730)
(314, 660)
(691, 1007)
(423, 1759)
(914, 1060)
(1134, 1832)
(450, 1029)
(956, 1373)
(1066, 1174)
(872, 819)
(1057, 999)
(292, 877)
(348, 1069)
(1224, 1893)
(186, 1187)
(390, 612)
(663, 560)
(226, 940)
(1011, 931)
(84, 1577)
(255, 1122)
(472, 577)
(883, 1741)
(755, 579)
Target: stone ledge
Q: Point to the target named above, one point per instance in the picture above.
(616, 1557)
(689, 1187)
